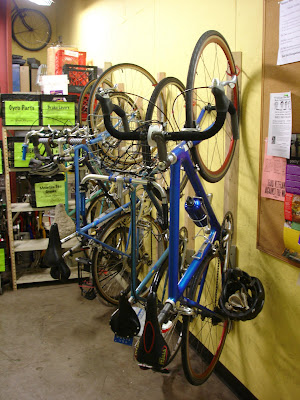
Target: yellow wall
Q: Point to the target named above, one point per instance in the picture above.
(160, 35)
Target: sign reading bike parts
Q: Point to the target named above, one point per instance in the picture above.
(22, 113)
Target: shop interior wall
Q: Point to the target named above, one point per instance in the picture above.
(160, 36)
(50, 13)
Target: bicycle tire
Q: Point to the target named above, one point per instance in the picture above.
(83, 103)
(173, 328)
(130, 78)
(168, 93)
(211, 58)
(27, 37)
(111, 272)
(97, 206)
(203, 338)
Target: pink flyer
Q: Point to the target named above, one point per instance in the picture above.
(273, 177)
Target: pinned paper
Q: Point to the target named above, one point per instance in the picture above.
(291, 238)
(289, 32)
(273, 177)
(280, 125)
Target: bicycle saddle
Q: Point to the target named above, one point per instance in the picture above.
(152, 349)
(124, 321)
(53, 259)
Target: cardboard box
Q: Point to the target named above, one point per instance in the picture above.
(24, 78)
(34, 86)
(54, 84)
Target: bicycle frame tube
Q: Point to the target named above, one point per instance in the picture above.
(176, 288)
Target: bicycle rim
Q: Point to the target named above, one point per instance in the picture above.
(211, 59)
(97, 206)
(204, 337)
(83, 103)
(114, 153)
(128, 78)
(167, 108)
(172, 329)
(31, 29)
(111, 271)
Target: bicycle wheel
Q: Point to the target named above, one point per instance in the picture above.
(167, 107)
(171, 330)
(128, 78)
(112, 271)
(203, 336)
(83, 103)
(211, 59)
(98, 205)
(31, 29)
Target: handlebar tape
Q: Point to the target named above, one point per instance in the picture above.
(24, 151)
(234, 121)
(223, 105)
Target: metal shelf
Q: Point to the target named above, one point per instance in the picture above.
(39, 244)
(42, 275)
(26, 207)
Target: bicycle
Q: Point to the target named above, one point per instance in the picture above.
(31, 29)
(112, 214)
(199, 299)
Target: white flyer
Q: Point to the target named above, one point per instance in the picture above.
(289, 32)
(280, 125)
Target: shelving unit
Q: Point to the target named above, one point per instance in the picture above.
(13, 209)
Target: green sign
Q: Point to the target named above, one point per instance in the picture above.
(2, 260)
(18, 154)
(58, 113)
(21, 113)
(49, 193)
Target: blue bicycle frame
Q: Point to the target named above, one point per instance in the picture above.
(176, 289)
(133, 231)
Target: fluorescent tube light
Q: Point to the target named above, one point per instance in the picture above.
(42, 2)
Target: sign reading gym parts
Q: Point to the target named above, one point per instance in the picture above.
(58, 113)
(22, 113)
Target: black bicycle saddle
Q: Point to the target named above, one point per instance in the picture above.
(124, 321)
(53, 258)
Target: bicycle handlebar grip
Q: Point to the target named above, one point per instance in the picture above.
(24, 151)
(44, 140)
(76, 141)
(222, 105)
(234, 121)
(162, 150)
(107, 108)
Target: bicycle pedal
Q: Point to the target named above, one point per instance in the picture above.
(146, 367)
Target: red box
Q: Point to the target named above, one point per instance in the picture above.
(63, 57)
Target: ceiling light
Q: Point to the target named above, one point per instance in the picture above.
(42, 2)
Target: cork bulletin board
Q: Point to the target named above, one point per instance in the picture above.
(275, 79)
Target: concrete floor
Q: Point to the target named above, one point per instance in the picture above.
(54, 344)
